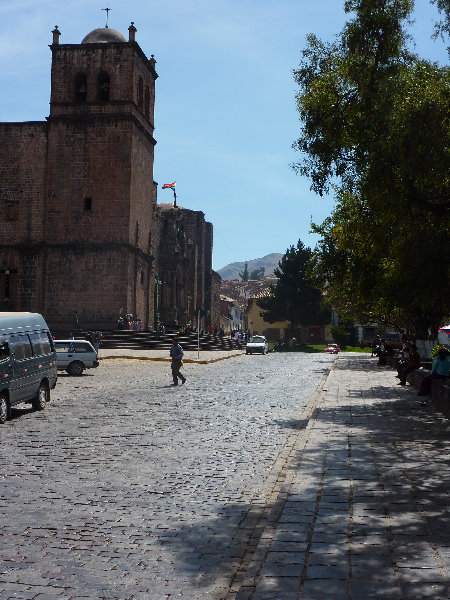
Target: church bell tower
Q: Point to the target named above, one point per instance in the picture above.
(100, 195)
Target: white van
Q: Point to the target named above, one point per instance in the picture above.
(27, 361)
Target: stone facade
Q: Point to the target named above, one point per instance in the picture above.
(78, 216)
(77, 195)
(185, 265)
(215, 298)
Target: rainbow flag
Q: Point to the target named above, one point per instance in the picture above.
(169, 186)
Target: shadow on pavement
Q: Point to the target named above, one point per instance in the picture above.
(293, 423)
(366, 516)
(16, 413)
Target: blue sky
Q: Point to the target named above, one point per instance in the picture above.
(225, 115)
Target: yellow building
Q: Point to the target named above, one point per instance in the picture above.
(284, 331)
(274, 332)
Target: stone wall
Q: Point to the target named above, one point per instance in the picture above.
(184, 265)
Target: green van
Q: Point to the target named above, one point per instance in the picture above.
(27, 361)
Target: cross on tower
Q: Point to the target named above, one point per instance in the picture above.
(107, 9)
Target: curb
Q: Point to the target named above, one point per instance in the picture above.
(185, 360)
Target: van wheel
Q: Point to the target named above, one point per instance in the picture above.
(4, 409)
(75, 368)
(43, 396)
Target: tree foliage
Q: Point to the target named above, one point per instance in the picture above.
(293, 298)
(443, 27)
(376, 128)
(257, 274)
(244, 275)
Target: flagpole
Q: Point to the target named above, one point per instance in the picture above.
(174, 198)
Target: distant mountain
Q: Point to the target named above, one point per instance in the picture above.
(269, 262)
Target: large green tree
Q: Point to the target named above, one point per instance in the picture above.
(376, 128)
(293, 298)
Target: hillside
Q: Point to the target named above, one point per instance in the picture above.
(269, 262)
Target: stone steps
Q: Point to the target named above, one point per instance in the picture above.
(147, 340)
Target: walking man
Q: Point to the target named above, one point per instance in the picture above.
(176, 353)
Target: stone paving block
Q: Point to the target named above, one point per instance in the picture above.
(320, 589)
(329, 537)
(369, 589)
(334, 572)
(340, 560)
(417, 574)
(419, 590)
(289, 558)
(245, 593)
(278, 584)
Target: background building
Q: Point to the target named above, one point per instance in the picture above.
(185, 265)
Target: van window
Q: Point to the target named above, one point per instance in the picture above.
(40, 343)
(64, 347)
(4, 348)
(81, 347)
(21, 347)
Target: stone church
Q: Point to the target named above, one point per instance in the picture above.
(80, 228)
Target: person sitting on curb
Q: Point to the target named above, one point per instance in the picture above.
(439, 370)
(413, 363)
(176, 353)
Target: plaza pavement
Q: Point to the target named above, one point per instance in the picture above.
(353, 504)
(361, 509)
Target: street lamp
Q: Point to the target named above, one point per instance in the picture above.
(158, 282)
(188, 311)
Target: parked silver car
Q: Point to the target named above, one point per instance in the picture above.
(257, 343)
(74, 356)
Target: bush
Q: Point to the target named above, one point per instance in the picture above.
(340, 334)
(435, 350)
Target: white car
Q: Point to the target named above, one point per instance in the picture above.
(257, 343)
(74, 356)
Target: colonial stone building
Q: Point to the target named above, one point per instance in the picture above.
(78, 214)
(184, 261)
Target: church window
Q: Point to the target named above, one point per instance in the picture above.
(104, 83)
(80, 88)
(142, 277)
(88, 204)
(140, 93)
(12, 211)
(147, 102)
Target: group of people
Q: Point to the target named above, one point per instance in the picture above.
(240, 336)
(410, 360)
(381, 348)
(440, 369)
(129, 322)
(216, 330)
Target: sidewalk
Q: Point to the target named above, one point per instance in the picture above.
(362, 506)
(190, 356)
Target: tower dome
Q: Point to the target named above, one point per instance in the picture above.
(103, 35)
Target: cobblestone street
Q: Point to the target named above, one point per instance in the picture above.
(280, 477)
(126, 487)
